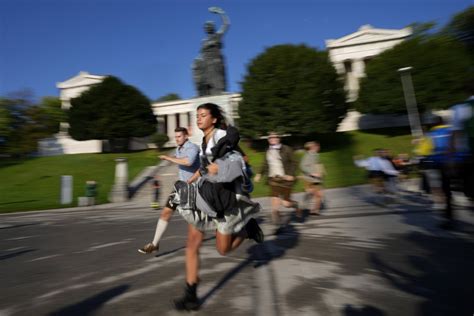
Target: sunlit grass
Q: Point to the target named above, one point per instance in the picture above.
(341, 171)
(34, 183)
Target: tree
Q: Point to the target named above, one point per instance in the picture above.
(159, 139)
(169, 97)
(15, 122)
(440, 71)
(291, 89)
(23, 123)
(421, 29)
(113, 111)
(461, 27)
(52, 114)
(6, 120)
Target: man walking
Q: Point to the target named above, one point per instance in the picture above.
(279, 166)
(187, 159)
(186, 156)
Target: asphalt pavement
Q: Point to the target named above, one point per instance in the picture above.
(360, 257)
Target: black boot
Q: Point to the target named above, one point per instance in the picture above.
(254, 231)
(189, 301)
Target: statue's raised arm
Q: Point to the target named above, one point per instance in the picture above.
(224, 17)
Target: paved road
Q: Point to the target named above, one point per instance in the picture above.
(358, 258)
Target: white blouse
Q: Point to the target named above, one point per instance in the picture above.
(218, 134)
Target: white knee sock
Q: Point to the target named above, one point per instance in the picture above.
(160, 229)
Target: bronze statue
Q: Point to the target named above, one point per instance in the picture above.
(208, 67)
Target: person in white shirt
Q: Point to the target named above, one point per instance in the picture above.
(378, 169)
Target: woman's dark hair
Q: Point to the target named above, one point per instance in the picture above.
(216, 112)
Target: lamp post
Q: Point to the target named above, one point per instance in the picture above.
(410, 100)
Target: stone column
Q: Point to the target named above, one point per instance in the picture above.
(358, 67)
(183, 120)
(119, 191)
(171, 127)
(194, 132)
(339, 68)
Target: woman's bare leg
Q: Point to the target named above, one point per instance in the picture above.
(318, 196)
(227, 243)
(193, 245)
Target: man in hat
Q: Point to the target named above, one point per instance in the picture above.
(279, 166)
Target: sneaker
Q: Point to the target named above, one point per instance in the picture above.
(155, 205)
(254, 231)
(148, 248)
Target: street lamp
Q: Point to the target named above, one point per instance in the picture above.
(410, 100)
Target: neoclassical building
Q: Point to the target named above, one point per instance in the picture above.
(62, 143)
(182, 113)
(349, 55)
(169, 115)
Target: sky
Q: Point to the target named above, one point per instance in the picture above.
(151, 44)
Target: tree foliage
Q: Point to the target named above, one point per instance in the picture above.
(5, 119)
(23, 123)
(160, 139)
(169, 97)
(440, 72)
(291, 89)
(113, 111)
(52, 114)
(461, 27)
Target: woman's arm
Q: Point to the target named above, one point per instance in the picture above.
(194, 177)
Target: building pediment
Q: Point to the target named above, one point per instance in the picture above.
(81, 79)
(367, 34)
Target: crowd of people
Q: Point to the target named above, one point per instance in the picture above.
(214, 186)
(443, 158)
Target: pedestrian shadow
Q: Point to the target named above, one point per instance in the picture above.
(407, 206)
(365, 310)
(134, 189)
(91, 304)
(438, 270)
(229, 275)
(417, 198)
(264, 253)
(15, 254)
(165, 253)
(259, 255)
(18, 225)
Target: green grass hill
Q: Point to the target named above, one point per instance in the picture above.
(34, 183)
